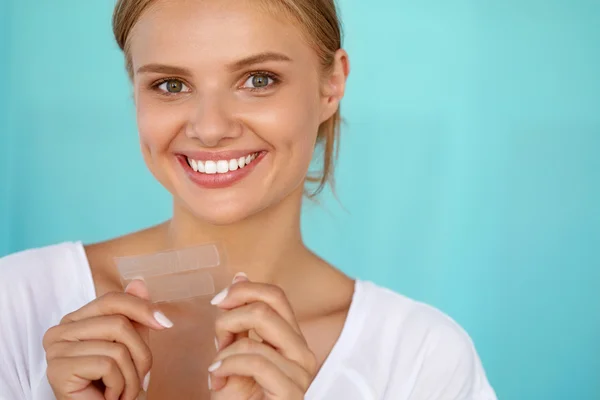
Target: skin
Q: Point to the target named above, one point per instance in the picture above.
(295, 301)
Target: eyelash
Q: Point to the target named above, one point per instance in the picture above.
(155, 86)
(276, 80)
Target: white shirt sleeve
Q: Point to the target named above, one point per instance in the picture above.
(395, 348)
(14, 374)
(446, 366)
(37, 288)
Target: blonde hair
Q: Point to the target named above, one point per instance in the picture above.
(321, 25)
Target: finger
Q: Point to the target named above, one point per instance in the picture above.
(298, 375)
(245, 292)
(112, 328)
(134, 308)
(270, 326)
(273, 381)
(220, 382)
(238, 294)
(116, 351)
(242, 277)
(80, 371)
(139, 289)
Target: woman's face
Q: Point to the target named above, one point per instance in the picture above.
(229, 99)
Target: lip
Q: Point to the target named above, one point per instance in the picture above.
(218, 181)
(216, 156)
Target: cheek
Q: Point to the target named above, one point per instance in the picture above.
(289, 123)
(157, 124)
(301, 128)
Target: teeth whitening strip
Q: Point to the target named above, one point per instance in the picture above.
(175, 275)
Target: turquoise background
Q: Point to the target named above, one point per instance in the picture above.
(469, 172)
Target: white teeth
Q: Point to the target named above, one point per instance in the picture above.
(210, 167)
(221, 166)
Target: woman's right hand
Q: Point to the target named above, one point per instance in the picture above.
(100, 352)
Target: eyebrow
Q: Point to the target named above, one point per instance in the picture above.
(235, 66)
(163, 69)
(257, 59)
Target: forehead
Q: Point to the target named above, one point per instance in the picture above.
(219, 31)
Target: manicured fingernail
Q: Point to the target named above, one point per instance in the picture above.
(215, 366)
(209, 383)
(216, 344)
(239, 277)
(220, 297)
(162, 320)
(146, 382)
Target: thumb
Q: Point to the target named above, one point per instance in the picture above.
(138, 288)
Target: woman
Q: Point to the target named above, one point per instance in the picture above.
(232, 97)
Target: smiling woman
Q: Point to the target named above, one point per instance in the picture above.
(232, 98)
(316, 22)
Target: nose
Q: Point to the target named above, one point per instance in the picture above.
(212, 122)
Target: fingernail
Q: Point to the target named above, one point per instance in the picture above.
(220, 297)
(215, 366)
(162, 320)
(146, 383)
(209, 383)
(239, 277)
(137, 278)
(216, 344)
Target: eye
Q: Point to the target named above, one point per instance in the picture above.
(259, 81)
(173, 86)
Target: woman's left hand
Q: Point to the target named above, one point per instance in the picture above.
(281, 367)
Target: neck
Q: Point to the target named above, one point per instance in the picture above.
(264, 245)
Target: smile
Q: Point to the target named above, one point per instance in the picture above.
(221, 166)
(219, 170)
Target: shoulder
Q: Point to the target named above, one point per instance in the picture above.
(50, 278)
(49, 269)
(37, 288)
(425, 349)
(409, 317)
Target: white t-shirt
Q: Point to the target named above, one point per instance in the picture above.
(391, 347)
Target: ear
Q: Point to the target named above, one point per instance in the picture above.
(334, 85)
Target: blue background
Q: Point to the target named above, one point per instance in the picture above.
(469, 172)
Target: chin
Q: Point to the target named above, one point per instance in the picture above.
(222, 215)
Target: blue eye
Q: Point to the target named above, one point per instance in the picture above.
(173, 86)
